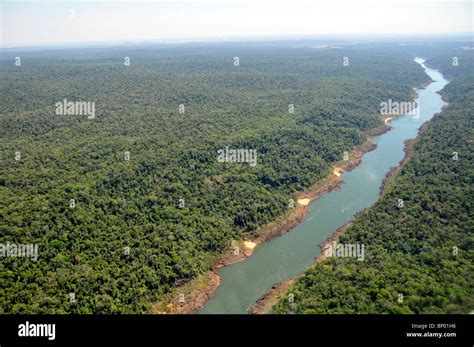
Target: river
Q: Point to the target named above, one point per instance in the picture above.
(288, 256)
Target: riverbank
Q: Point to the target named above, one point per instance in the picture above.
(409, 152)
(332, 182)
(197, 291)
(414, 95)
(265, 303)
(394, 171)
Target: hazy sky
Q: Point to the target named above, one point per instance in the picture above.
(38, 22)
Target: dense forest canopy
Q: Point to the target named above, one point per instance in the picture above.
(421, 257)
(172, 205)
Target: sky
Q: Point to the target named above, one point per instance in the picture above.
(37, 22)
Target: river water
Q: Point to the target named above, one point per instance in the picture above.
(287, 256)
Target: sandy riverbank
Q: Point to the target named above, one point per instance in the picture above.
(388, 118)
(264, 304)
(199, 290)
(191, 297)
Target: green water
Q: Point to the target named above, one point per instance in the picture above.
(288, 256)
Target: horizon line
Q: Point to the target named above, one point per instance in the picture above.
(232, 39)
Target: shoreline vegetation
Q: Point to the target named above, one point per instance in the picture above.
(264, 304)
(200, 289)
(415, 248)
